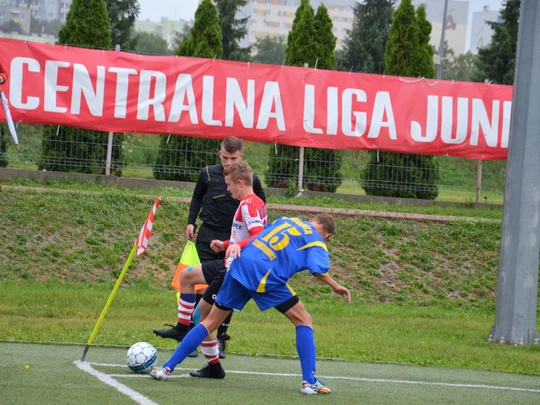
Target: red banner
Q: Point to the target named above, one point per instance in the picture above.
(123, 92)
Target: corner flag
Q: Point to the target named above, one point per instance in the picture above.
(9, 120)
(144, 235)
(189, 258)
(141, 243)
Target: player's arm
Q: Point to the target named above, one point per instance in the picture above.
(218, 245)
(235, 249)
(195, 205)
(338, 289)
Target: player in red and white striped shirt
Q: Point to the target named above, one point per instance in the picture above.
(249, 220)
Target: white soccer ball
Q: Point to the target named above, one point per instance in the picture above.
(141, 357)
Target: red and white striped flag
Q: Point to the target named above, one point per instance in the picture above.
(144, 236)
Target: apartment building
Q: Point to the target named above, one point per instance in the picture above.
(481, 32)
(456, 23)
(274, 18)
(22, 11)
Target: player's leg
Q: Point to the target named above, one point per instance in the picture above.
(210, 297)
(190, 342)
(295, 311)
(199, 274)
(231, 295)
(210, 346)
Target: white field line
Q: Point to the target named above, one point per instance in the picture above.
(329, 377)
(107, 379)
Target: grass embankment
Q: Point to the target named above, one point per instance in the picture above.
(423, 292)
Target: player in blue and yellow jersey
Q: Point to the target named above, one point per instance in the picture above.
(261, 272)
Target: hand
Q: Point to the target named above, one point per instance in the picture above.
(233, 251)
(217, 246)
(343, 292)
(190, 231)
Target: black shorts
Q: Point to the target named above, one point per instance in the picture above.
(205, 235)
(214, 273)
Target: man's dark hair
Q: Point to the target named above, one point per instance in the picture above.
(326, 221)
(232, 144)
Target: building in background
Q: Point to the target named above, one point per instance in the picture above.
(22, 11)
(457, 16)
(481, 32)
(274, 18)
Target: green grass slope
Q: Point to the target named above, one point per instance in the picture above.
(73, 236)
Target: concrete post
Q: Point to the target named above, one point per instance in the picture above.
(515, 319)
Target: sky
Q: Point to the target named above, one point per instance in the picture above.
(185, 9)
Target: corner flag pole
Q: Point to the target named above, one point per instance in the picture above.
(9, 120)
(138, 249)
(109, 301)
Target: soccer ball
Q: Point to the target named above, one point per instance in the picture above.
(141, 357)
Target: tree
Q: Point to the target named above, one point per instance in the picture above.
(270, 50)
(204, 40)
(74, 149)
(426, 65)
(326, 41)
(322, 167)
(149, 43)
(403, 47)
(364, 46)
(303, 48)
(396, 174)
(122, 16)
(13, 26)
(233, 29)
(178, 36)
(460, 68)
(182, 158)
(294, 27)
(87, 25)
(282, 170)
(496, 62)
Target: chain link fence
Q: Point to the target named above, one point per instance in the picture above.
(44, 147)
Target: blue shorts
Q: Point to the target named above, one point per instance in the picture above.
(234, 295)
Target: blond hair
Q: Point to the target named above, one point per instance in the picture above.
(240, 171)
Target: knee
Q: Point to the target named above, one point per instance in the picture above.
(302, 318)
(186, 276)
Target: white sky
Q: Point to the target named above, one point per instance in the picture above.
(185, 9)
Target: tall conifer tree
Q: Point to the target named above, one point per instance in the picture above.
(182, 158)
(396, 174)
(313, 43)
(74, 149)
(364, 47)
(425, 61)
(496, 62)
(122, 16)
(233, 29)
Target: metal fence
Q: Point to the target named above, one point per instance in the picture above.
(460, 180)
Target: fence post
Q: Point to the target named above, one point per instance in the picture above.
(479, 181)
(301, 164)
(110, 141)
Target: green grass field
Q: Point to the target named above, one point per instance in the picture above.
(416, 332)
(53, 374)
